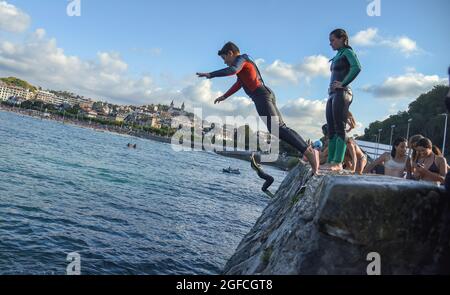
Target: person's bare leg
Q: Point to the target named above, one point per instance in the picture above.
(311, 155)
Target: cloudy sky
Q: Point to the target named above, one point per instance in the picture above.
(142, 52)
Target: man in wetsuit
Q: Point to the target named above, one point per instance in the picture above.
(263, 175)
(249, 78)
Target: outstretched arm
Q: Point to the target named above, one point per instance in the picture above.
(230, 71)
(375, 163)
(230, 92)
(236, 86)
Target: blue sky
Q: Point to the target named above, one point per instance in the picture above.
(168, 41)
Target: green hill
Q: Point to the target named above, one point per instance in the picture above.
(20, 83)
(426, 114)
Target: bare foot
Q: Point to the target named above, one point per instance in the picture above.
(311, 155)
(337, 168)
(326, 166)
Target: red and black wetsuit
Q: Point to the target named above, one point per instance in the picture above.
(249, 78)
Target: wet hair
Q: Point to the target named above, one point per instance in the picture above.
(397, 141)
(436, 151)
(341, 33)
(425, 143)
(325, 129)
(413, 140)
(229, 46)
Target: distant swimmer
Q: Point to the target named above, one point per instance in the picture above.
(268, 179)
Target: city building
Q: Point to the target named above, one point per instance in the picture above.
(7, 91)
(47, 97)
(177, 111)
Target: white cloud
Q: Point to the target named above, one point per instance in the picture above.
(202, 95)
(371, 37)
(365, 38)
(13, 19)
(305, 116)
(111, 62)
(280, 72)
(38, 59)
(315, 66)
(404, 44)
(409, 85)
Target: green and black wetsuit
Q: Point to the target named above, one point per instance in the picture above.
(345, 68)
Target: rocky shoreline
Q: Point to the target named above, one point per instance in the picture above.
(334, 224)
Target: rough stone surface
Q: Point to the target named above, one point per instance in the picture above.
(330, 226)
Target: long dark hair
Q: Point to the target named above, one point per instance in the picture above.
(425, 143)
(341, 33)
(398, 141)
(229, 46)
(413, 140)
(436, 151)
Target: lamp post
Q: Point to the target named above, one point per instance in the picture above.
(445, 133)
(392, 134)
(379, 137)
(407, 132)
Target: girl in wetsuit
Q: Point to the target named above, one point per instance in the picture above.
(345, 68)
(249, 78)
(429, 166)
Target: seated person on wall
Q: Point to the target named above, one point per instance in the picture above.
(429, 166)
(396, 163)
(355, 159)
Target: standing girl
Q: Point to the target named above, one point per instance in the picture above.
(345, 68)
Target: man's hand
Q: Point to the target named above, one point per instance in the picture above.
(206, 75)
(218, 100)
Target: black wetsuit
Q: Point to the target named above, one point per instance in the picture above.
(345, 68)
(263, 175)
(250, 79)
